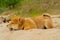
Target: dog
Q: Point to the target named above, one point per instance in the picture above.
(21, 23)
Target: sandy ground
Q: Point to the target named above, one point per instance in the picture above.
(52, 34)
(35, 34)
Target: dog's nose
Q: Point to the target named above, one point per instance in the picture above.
(11, 29)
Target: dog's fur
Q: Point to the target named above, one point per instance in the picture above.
(44, 21)
(29, 24)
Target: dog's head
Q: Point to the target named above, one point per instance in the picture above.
(16, 23)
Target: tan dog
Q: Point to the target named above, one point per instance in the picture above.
(41, 22)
